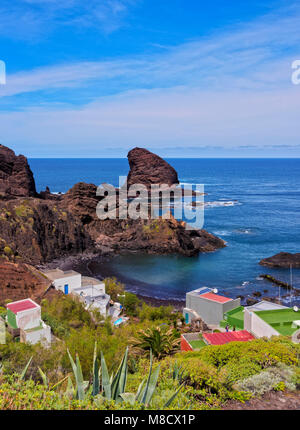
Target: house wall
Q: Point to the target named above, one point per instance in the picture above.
(29, 319)
(11, 319)
(211, 312)
(258, 327)
(43, 335)
(73, 281)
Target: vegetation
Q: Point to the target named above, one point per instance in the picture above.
(82, 368)
(160, 340)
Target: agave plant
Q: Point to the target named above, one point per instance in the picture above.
(177, 372)
(160, 341)
(105, 386)
(23, 374)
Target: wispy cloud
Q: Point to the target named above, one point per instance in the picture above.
(31, 19)
(255, 55)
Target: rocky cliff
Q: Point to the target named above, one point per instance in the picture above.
(16, 178)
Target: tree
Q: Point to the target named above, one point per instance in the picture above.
(130, 303)
(161, 341)
(114, 288)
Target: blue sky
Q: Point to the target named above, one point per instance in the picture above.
(179, 77)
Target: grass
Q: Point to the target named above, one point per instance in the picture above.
(281, 320)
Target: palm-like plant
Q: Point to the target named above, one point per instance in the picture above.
(160, 341)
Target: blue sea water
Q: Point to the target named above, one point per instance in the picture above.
(262, 218)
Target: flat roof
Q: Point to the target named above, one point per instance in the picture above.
(54, 274)
(215, 297)
(87, 280)
(279, 315)
(281, 320)
(231, 336)
(265, 305)
(21, 305)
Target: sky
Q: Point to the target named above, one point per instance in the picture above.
(182, 78)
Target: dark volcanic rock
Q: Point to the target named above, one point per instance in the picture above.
(16, 178)
(39, 230)
(147, 168)
(82, 201)
(283, 260)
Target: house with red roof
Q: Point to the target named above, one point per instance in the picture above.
(206, 304)
(24, 319)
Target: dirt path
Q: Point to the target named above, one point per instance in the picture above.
(270, 401)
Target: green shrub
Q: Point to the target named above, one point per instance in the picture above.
(263, 352)
(238, 370)
(267, 380)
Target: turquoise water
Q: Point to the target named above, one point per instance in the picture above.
(262, 219)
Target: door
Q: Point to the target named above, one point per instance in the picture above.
(186, 318)
(66, 289)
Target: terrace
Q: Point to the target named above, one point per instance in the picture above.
(281, 320)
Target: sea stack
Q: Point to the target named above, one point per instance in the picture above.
(147, 168)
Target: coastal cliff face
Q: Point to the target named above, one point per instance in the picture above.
(39, 228)
(282, 260)
(34, 231)
(16, 178)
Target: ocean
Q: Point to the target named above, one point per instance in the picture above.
(253, 204)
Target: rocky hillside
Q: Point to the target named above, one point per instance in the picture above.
(19, 281)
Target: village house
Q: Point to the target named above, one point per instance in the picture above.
(24, 319)
(204, 303)
(89, 290)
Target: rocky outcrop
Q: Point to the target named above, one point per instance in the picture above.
(159, 236)
(16, 178)
(81, 201)
(147, 168)
(35, 231)
(283, 260)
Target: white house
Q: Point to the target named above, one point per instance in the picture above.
(64, 281)
(25, 316)
(91, 291)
